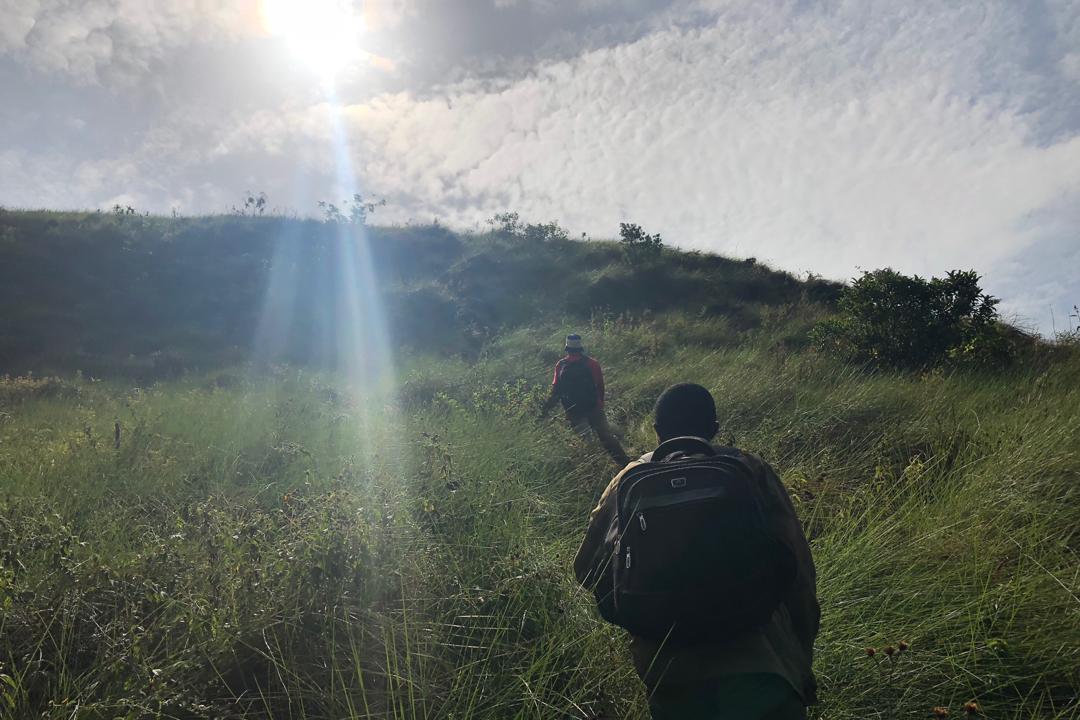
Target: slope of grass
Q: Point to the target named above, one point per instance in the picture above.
(272, 539)
(287, 545)
(150, 297)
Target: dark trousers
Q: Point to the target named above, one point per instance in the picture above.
(595, 419)
(756, 696)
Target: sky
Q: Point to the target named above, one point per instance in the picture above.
(819, 136)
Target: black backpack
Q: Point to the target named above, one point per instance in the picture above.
(577, 389)
(692, 558)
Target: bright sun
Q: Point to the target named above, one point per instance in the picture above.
(323, 33)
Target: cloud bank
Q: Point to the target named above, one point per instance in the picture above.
(112, 41)
(783, 135)
(821, 137)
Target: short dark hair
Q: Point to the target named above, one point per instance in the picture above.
(685, 409)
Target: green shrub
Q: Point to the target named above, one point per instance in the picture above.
(510, 224)
(890, 319)
(637, 245)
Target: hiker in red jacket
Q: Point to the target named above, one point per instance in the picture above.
(579, 384)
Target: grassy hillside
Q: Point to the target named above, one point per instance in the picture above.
(151, 297)
(290, 541)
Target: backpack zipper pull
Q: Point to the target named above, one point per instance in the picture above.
(627, 557)
(641, 521)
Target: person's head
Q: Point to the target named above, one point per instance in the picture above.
(574, 345)
(685, 409)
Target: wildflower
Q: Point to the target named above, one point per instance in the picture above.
(889, 650)
(940, 712)
(870, 652)
(971, 708)
(903, 645)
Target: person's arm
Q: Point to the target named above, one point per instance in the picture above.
(553, 396)
(592, 555)
(802, 602)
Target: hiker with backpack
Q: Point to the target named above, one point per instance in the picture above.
(696, 550)
(579, 385)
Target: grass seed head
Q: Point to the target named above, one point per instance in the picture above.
(889, 650)
(940, 712)
(902, 645)
(971, 708)
(870, 652)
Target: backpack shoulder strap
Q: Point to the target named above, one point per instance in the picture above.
(686, 445)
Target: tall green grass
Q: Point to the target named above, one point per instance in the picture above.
(287, 546)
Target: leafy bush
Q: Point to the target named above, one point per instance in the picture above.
(890, 319)
(637, 245)
(545, 232)
(509, 223)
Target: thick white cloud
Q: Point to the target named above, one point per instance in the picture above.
(113, 40)
(819, 141)
(927, 136)
(18, 21)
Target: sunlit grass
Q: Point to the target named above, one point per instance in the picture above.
(280, 546)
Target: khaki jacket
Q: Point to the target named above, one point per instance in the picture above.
(784, 646)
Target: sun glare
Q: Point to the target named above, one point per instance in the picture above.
(322, 33)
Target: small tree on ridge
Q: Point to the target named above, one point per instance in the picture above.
(637, 245)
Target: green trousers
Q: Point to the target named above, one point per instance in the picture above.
(758, 696)
(597, 420)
